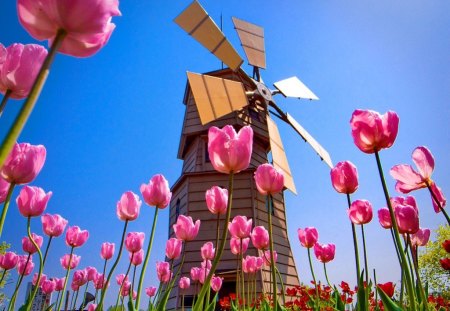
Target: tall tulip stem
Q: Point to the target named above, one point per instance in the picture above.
(199, 304)
(27, 108)
(5, 207)
(147, 256)
(123, 281)
(314, 279)
(4, 101)
(403, 262)
(355, 244)
(365, 254)
(41, 266)
(272, 257)
(12, 302)
(326, 274)
(46, 250)
(65, 280)
(433, 195)
(105, 284)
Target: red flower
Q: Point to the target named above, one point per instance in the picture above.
(387, 288)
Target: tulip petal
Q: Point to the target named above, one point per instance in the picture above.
(424, 161)
(440, 196)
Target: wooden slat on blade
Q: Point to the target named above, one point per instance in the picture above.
(279, 156)
(197, 23)
(252, 40)
(314, 144)
(293, 87)
(216, 97)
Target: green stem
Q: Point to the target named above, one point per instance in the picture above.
(12, 302)
(217, 230)
(238, 279)
(75, 300)
(147, 256)
(105, 284)
(272, 258)
(376, 286)
(314, 279)
(134, 276)
(355, 244)
(416, 270)
(57, 298)
(84, 296)
(3, 276)
(71, 300)
(4, 101)
(403, 262)
(199, 304)
(103, 276)
(365, 254)
(282, 285)
(326, 275)
(241, 272)
(124, 278)
(65, 281)
(5, 206)
(182, 302)
(46, 250)
(41, 266)
(27, 108)
(433, 195)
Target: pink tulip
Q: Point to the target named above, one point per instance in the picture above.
(107, 250)
(230, 151)
(134, 241)
(53, 225)
(65, 260)
(136, 258)
(268, 259)
(80, 277)
(157, 192)
(269, 180)
(235, 245)
(121, 278)
(87, 24)
(206, 264)
(4, 188)
(59, 284)
(260, 237)
(91, 273)
(208, 251)
(24, 163)
(20, 67)
(195, 273)
(32, 201)
(129, 206)
(308, 236)
(217, 200)
(185, 229)
(372, 132)
(25, 265)
(163, 271)
(75, 237)
(240, 227)
(384, 218)
(99, 281)
(216, 283)
(48, 286)
(204, 272)
(150, 291)
(407, 219)
(252, 264)
(173, 248)
(184, 282)
(360, 212)
(8, 260)
(440, 197)
(344, 177)
(324, 252)
(421, 237)
(35, 277)
(75, 287)
(28, 246)
(92, 307)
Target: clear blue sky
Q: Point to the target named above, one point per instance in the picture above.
(112, 121)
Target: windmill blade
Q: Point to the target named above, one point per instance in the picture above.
(293, 87)
(279, 158)
(197, 23)
(252, 40)
(216, 97)
(323, 154)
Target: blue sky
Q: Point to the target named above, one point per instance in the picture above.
(111, 121)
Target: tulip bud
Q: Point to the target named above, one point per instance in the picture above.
(344, 177)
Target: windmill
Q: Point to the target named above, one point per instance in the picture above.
(230, 96)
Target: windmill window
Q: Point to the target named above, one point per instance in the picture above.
(207, 159)
(177, 209)
(253, 113)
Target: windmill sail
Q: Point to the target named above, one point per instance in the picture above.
(293, 87)
(252, 41)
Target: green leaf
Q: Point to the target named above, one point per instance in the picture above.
(363, 298)
(130, 303)
(388, 304)
(212, 305)
(50, 307)
(339, 304)
(23, 308)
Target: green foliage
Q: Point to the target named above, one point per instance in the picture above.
(388, 304)
(3, 248)
(431, 271)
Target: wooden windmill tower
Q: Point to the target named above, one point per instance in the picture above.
(230, 96)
